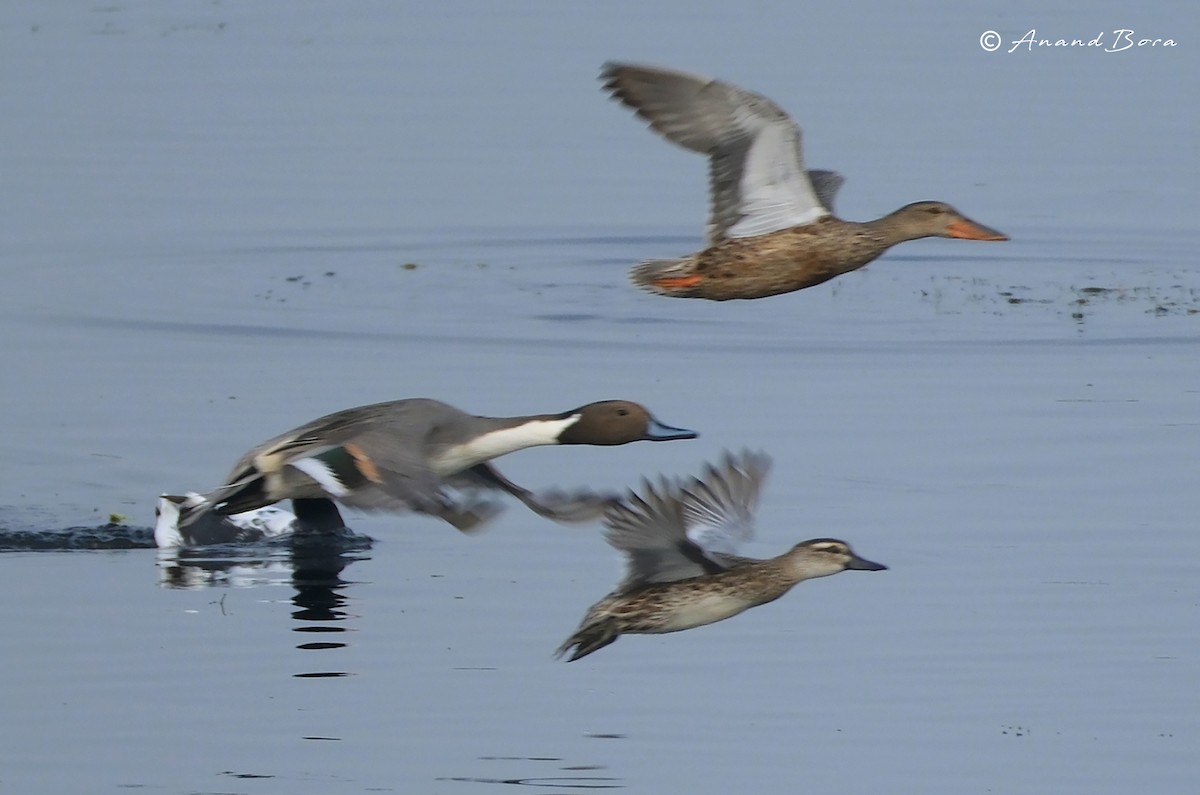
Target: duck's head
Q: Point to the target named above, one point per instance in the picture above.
(821, 557)
(938, 219)
(612, 422)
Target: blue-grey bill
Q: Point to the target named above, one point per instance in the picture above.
(660, 432)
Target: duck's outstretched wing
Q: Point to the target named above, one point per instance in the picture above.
(719, 506)
(757, 178)
(826, 185)
(674, 530)
(648, 528)
(581, 505)
(370, 473)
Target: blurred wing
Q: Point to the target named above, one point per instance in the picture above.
(773, 191)
(649, 530)
(718, 507)
(369, 475)
(581, 505)
(368, 457)
(757, 179)
(826, 185)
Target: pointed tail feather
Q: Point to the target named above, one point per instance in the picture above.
(673, 277)
(589, 638)
(248, 495)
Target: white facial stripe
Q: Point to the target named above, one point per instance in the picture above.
(322, 474)
(496, 443)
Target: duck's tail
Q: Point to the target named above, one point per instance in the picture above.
(674, 277)
(591, 636)
(246, 495)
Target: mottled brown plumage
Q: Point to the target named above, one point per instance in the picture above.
(771, 228)
(678, 539)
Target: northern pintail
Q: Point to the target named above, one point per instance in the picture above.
(404, 455)
(678, 539)
(771, 229)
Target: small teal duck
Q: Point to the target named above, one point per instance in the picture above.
(407, 455)
(678, 539)
(771, 229)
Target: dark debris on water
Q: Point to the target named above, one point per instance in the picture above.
(111, 535)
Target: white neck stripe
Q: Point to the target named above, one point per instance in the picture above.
(497, 443)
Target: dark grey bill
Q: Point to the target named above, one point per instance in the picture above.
(862, 564)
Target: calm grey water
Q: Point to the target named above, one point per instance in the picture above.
(208, 225)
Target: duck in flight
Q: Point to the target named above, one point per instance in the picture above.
(417, 455)
(771, 228)
(679, 540)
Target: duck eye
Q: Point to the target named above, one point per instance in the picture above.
(623, 412)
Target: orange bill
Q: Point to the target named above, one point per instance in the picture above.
(967, 229)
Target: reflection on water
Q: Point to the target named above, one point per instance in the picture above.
(570, 780)
(296, 559)
(240, 254)
(319, 601)
(573, 782)
(312, 565)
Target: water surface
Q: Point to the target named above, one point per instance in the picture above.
(220, 222)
